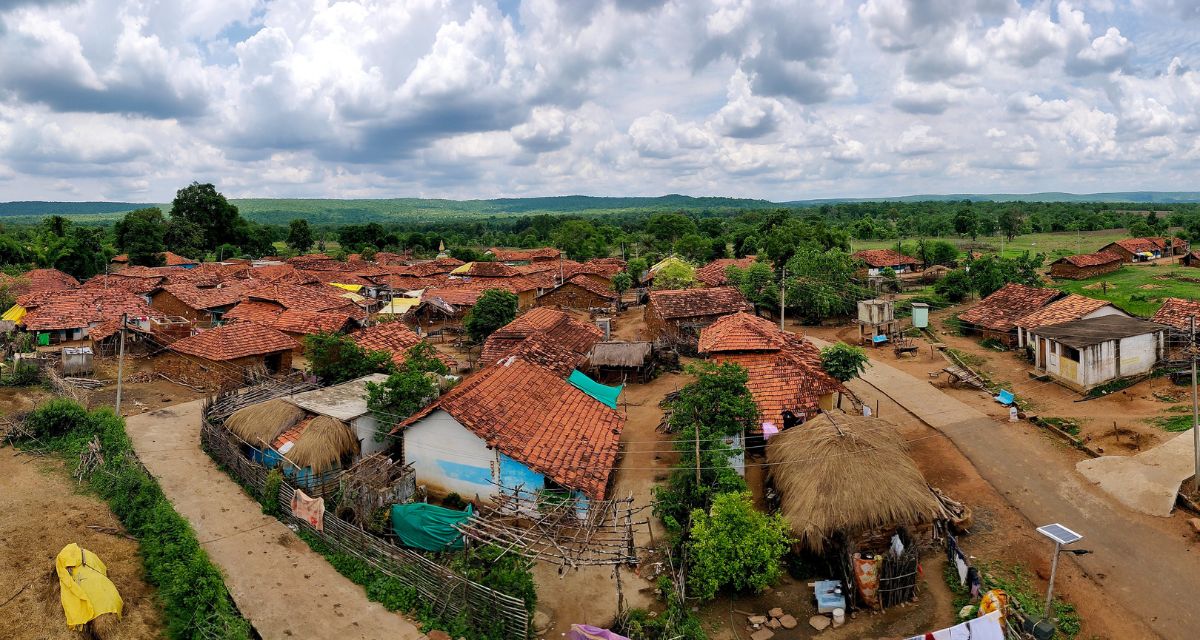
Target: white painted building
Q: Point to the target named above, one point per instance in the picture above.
(346, 402)
(1087, 353)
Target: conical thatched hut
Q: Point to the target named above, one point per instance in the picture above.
(262, 423)
(317, 445)
(849, 476)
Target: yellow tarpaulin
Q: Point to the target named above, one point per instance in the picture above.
(86, 590)
(348, 287)
(461, 269)
(350, 295)
(15, 313)
(399, 306)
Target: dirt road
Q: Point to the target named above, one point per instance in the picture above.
(280, 585)
(1142, 562)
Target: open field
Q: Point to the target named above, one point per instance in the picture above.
(1139, 289)
(1054, 245)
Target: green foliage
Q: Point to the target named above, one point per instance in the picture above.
(955, 286)
(990, 273)
(270, 492)
(939, 252)
(636, 268)
(622, 282)
(736, 546)
(406, 390)
(196, 604)
(1173, 424)
(140, 234)
(844, 361)
(300, 236)
(184, 237)
(494, 309)
(505, 572)
(22, 374)
(675, 275)
(757, 283)
(822, 284)
(202, 205)
(579, 239)
(677, 622)
(334, 358)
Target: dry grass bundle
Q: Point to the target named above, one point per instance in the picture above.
(322, 444)
(847, 473)
(263, 422)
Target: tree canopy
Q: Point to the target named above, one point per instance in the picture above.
(494, 309)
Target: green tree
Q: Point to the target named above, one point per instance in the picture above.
(822, 284)
(955, 286)
(844, 361)
(335, 357)
(675, 275)
(205, 207)
(667, 228)
(733, 545)
(940, 252)
(990, 273)
(621, 283)
(757, 283)
(579, 239)
(696, 248)
(184, 237)
(405, 391)
(300, 236)
(494, 309)
(966, 223)
(83, 254)
(1011, 221)
(638, 266)
(140, 234)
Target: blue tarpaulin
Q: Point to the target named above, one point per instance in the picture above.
(604, 393)
(426, 526)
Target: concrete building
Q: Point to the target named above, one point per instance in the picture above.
(1068, 309)
(346, 402)
(1087, 353)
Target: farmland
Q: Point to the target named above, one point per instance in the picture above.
(1054, 245)
(1139, 289)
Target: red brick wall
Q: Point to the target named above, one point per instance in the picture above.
(1072, 272)
(172, 306)
(572, 296)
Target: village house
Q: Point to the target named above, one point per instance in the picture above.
(786, 378)
(1072, 307)
(1192, 259)
(347, 403)
(1087, 353)
(516, 256)
(1142, 249)
(443, 309)
(996, 316)
(390, 337)
(204, 306)
(677, 316)
(298, 323)
(1085, 265)
(581, 291)
(121, 261)
(1177, 314)
(228, 356)
(876, 260)
(37, 281)
(515, 425)
(621, 362)
(713, 273)
(70, 315)
(543, 325)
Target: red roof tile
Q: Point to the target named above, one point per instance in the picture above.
(263, 313)
(39, 280)
(488, 270)
(532, 415)
(232, 341)
(1091, 259)
(741, 332)
(713, 273)
(393, 338)
(202, 298)
(175, 260)
(1073, 307)
(880, 258)
(307, 322)
(524, 255)
(306, 297)
(1001, 310)
(78, 308)
(588, 283)
(542, 324)
(1138, 245)
(691, 303)
(1177, 312)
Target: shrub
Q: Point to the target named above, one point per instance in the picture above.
(56, 418)
(844, 361)
(270, 492)
(507, 573)
(955, 286)
(735, 545)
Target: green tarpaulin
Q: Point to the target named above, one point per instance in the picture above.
(604, 393)
(425, 526)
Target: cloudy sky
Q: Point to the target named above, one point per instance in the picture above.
(129, 100)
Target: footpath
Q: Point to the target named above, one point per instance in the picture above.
(281, 586)
(1142, 566)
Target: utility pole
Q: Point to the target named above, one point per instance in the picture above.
(121, 361)
(697, 454)
(782, 297)
(1195, 410)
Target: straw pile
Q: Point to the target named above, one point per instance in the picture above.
(322, 444)
(846, 473)
(263, 422)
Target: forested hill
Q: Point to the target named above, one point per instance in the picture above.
(401, 210)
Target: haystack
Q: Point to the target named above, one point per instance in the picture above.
(263, 422)
(322, 444)
(849, 474)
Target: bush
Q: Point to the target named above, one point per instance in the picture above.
(844, 361)
(734, 545)
(270, 493)
(955, 286)
(56, 418)
(507, 573)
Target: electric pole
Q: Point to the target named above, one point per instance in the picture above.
(782, 297)
(121, 361)
(1195, 410)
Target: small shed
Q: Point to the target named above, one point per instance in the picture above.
(876, 318)
(346, 402)
(621, 361)
(1087, 353)
(76, 361)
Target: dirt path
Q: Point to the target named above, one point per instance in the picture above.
(40, 513)
(1141, 562)
(280, 585)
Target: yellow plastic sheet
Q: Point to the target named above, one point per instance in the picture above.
(348, 287)
(86, 590)
(15, 313)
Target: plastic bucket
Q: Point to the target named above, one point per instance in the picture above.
(839, 617)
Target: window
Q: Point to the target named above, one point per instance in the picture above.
(1070, 353)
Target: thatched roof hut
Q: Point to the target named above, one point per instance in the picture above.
(262, 423)
(848, 474)
(619, 354)
(318, 444)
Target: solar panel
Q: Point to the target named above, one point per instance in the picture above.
(1059, 534)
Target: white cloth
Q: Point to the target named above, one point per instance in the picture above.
(866, 411)
(962, 571)
(986, 627)
(897, 545)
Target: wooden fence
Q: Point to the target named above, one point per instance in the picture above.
(452, 595)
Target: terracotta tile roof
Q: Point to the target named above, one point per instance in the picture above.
(607, 267)
(1072, 307)
(589, 284)
(542, 324)
(1001, 310)
(306, 297)
(462, 294)
(410, 283)
(207, 274)
(307, 322)
(393, 338)
(120, 258)
(280, 274)
(713, 273)
(263, 313)
(39, 280)
(1178, 312)
(691, 303)
(1137, 245)
(175, 260)
(741, 332)
(530, 414)
(880, 258)
(340, 277)
(78, 308)
(232, 341)
(1091, 259)
(421, 269)
(1195, 255)
(543, 279)
(523, 255)
(201, 298)
(486, 270)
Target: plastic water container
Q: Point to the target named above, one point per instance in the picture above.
(839, 617)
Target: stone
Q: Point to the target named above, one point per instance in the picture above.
(1195, 524)
(788, 621)
(820, 623)
(773, 624)
(541, 622)
(757, 620)
(775, 613)
(762, 634)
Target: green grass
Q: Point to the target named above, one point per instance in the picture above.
(1054, 245)
(1139, 289)
(1173, 424)
(1067, 425)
